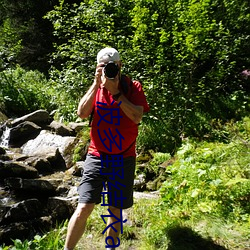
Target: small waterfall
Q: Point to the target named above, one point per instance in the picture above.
(4, 140)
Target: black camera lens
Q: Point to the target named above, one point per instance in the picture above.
(111, 70)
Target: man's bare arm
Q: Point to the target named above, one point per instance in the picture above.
(86, 104)
(132, 111)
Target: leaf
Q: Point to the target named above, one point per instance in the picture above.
(195, 193)
(235, 181)
(204, 207)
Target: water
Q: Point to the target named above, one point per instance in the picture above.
(4, 140)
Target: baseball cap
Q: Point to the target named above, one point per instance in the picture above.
(108, 54)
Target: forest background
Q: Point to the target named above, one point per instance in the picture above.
(191, 56)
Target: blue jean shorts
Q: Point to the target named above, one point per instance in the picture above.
(108, 179)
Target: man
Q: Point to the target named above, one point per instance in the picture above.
(117, 105)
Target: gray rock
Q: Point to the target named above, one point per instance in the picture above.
(78, 126)
(41, 164)
(16, 169)
(48, 142)
(32, 186)
(61, 129)
(23, 132)
(23, 211)
(60, 208)
(39, 117)
(140, 182)
(17, 230)
(2, 151)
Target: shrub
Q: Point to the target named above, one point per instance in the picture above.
(24, 91)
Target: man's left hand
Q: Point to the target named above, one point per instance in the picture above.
(111, 84)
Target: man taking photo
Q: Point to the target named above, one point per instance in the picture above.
(117, 105)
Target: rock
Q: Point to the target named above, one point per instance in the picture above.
(35, 187)
(42, 165)
(61, 129)
(23, 132)
(47, 141)
(76, 170)
(50, 154)
(150, 195)
(73, 192)
(55, 159)
(35, 174)
(3, 210)
(16, 169)
(39, 117)
(78, 126)
(2, 151)
(18, 230)
(60, 208)
(44, 223)
(140, 182)
(23, 211)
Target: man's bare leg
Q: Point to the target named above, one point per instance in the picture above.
(117, 226)
(77, 224)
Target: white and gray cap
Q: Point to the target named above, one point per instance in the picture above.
(108, 54)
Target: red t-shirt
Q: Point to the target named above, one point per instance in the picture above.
(112, 132)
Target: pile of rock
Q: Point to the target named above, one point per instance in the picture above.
(38, 178)
(37, 175)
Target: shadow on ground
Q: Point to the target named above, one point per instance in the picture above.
(184, 238)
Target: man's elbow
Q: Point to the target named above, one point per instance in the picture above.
(137, 118)
(82, 114)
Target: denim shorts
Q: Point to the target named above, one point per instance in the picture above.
(108, 179)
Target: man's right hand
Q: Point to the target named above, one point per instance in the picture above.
(98, 73)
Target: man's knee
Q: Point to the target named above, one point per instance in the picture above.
(83, 210)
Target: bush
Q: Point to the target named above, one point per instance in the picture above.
(24, 91)
(212, 178)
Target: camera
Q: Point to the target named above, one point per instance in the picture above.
(111, 69)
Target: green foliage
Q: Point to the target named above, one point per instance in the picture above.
(10, 44)
(82, 146)
(26, 38)
(24, 91)
(212, 178)
(52, 240)
(188, 56)
(87, 27)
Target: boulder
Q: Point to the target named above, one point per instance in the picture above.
(16, 169)
(48, 142)
(140, 182)
(78, 126)
(39, 117)
(17, 230)
(60, 208)
(23, 211)
(41, 164)
(2, 151)
(23, 132)
(44, 223)
(35, 187)
(61, 129)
